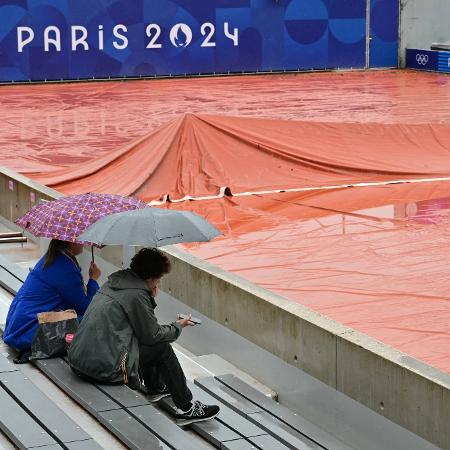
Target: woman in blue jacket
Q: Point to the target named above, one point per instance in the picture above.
(54, 284)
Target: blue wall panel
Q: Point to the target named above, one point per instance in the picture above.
(176, 37)
(384, 24)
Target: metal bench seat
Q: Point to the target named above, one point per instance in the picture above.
(124, 412)
(9, 282)
(229, 430)
(12, 276)
(288, 427)
(13, 269)
(31, 420)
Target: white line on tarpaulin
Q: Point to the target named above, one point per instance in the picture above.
(224, 191)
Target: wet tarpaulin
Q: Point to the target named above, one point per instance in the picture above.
(63, 124)
(362, 255)
(372, 257)
(204, 153)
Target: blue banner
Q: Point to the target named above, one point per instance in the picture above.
(80, 39)
(432, 60)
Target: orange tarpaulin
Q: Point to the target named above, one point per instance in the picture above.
(64, 124)
(415, 203)
(373, 257)
(204, 153)
(325, 248)
(350, 254)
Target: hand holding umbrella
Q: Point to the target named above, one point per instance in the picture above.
(94, 271)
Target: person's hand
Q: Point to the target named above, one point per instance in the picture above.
(153, 285)
(186, 322)
(154, 290)
(94, 271)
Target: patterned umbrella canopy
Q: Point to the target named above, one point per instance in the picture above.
(67, 217)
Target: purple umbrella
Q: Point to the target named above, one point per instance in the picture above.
(67, 217)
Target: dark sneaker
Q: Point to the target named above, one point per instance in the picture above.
(23, 357)
(196, 413)
(156, 396)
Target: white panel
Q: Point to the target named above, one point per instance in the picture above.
(422, 23)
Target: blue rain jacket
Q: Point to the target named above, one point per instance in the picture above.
(58, 287)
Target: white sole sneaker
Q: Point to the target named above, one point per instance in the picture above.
(184, 422)
(157, 397)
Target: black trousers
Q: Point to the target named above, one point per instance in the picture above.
(159, 365)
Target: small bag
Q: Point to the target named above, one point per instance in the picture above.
(50, 338)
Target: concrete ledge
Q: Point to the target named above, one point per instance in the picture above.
(18, 194)
(397, 386)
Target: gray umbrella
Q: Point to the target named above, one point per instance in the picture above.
(150, 227)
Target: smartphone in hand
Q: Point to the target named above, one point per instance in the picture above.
(196, 320)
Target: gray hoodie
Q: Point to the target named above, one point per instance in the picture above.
(119, 319)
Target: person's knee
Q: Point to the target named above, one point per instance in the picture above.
(163, 350)
(166, 349)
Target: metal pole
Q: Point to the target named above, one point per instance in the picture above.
(368, 37)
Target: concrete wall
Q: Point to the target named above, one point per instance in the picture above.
(18, 194)
(423, 22)
(404, 390)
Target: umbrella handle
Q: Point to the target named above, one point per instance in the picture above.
(92, 253)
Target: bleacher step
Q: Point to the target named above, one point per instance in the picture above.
(30, 419)
(13, 240)
(220, 366)
(111, 404)
(11, 234)
(283, 414)
(286, 435)
(19, 427)
(213, 365)
(228, 426)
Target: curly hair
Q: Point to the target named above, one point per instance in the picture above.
(150, 263)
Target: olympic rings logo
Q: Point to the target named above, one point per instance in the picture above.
(421, 59)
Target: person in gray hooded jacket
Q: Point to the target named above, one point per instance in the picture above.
(120, 340)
